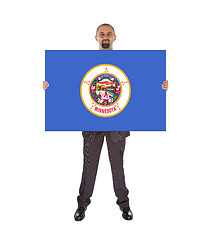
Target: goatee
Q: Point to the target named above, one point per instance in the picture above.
(105, 45)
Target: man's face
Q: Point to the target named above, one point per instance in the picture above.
(105, 36)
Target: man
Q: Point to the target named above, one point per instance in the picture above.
(93, 142)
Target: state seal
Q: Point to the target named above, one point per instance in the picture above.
(105, 90)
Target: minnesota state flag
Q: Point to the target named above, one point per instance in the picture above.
(105, 90)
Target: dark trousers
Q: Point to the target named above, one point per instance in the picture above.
(92, 150)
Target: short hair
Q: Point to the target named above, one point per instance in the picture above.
(105, 24)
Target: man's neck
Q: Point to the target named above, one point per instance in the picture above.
(106, 49)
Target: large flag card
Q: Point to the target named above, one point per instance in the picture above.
(105, 90)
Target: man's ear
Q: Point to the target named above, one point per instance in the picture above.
(114, 37)
(96, 38)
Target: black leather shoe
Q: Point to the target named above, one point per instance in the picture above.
(127, 213)
(80, 213)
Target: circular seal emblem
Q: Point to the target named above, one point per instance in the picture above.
(105, 90)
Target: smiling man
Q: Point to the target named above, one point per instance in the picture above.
(105, 35)
(93, 142)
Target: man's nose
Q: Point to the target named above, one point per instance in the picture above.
(106, 36)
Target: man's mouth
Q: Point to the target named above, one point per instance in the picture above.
(106, 43)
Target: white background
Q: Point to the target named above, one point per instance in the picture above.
(167, 173)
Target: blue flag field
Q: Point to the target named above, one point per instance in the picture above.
(117, 90)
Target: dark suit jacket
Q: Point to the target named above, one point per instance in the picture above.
(115, 135)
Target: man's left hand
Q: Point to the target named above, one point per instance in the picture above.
(165, 85)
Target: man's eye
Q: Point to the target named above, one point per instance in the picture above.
(101, 34)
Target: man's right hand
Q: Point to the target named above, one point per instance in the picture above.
(45, 85)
